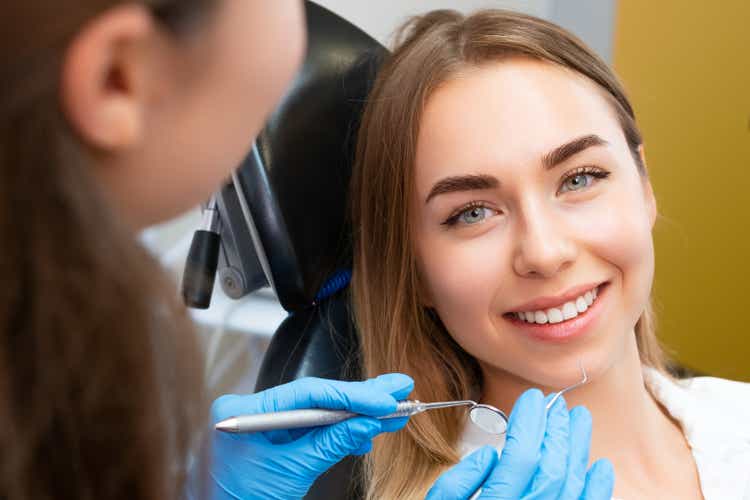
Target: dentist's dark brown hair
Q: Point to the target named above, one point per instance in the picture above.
(99, 370)
(397, 332)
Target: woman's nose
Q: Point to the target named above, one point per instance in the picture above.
(543, 246)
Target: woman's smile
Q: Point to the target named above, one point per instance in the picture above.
(562, 319)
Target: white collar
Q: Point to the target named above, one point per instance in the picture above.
(714, 415)
(715, 418)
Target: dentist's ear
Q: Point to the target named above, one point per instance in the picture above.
(648, 189)
(105, 77)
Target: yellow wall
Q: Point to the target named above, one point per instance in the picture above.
(686, 66)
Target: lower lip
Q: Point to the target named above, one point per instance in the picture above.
(565, 331)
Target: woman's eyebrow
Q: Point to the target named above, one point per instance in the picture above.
(562, 153)
(550, 160)
(462, 183)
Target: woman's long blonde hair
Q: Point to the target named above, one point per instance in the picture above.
(397, 332)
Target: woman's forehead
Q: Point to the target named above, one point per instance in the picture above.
(511, 112)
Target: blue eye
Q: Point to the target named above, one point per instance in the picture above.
(577, 182)
(582, 178)
(473, 215)
(470, 215)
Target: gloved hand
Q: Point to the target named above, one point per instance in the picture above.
(545, 456)
(284, 464)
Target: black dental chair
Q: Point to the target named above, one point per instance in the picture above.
(282, 220)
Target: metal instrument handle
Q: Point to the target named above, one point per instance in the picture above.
(314, 417)
(291, 419)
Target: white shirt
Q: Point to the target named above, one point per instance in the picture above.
(715, 417)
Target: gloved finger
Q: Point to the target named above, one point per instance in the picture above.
(230, 405)
(600, 481)
(553, 461)
(578, 458)
(393, 424)
(403, 392)
(371, 397)
(463, 479)
(282, 436)
(520, 456)
(334, 442)
(364, 449)
(398, 385)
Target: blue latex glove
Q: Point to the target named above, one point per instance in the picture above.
(284, 464)
(545, 457)
(462, 480)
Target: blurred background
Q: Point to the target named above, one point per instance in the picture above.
(687, 70)
(686, 67)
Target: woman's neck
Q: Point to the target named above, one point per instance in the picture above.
(629, 427)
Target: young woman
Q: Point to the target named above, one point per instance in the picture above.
(504, 216)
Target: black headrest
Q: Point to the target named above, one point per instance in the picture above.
(295, 181)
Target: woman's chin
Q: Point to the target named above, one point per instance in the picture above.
(564, 372)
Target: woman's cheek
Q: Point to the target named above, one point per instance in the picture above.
(620, 238)
(462, 277)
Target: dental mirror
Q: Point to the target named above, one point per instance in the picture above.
(489, 419)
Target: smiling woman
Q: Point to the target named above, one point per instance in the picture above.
(504, 217)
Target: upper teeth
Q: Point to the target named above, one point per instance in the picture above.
(557, 314)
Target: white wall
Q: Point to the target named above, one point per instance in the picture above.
(592, 20)
(379, 18)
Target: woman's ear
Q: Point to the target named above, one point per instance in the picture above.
(648, 189)
(105, 77)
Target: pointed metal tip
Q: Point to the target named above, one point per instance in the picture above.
(583, 372)
(228, 425)
(584, 379)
